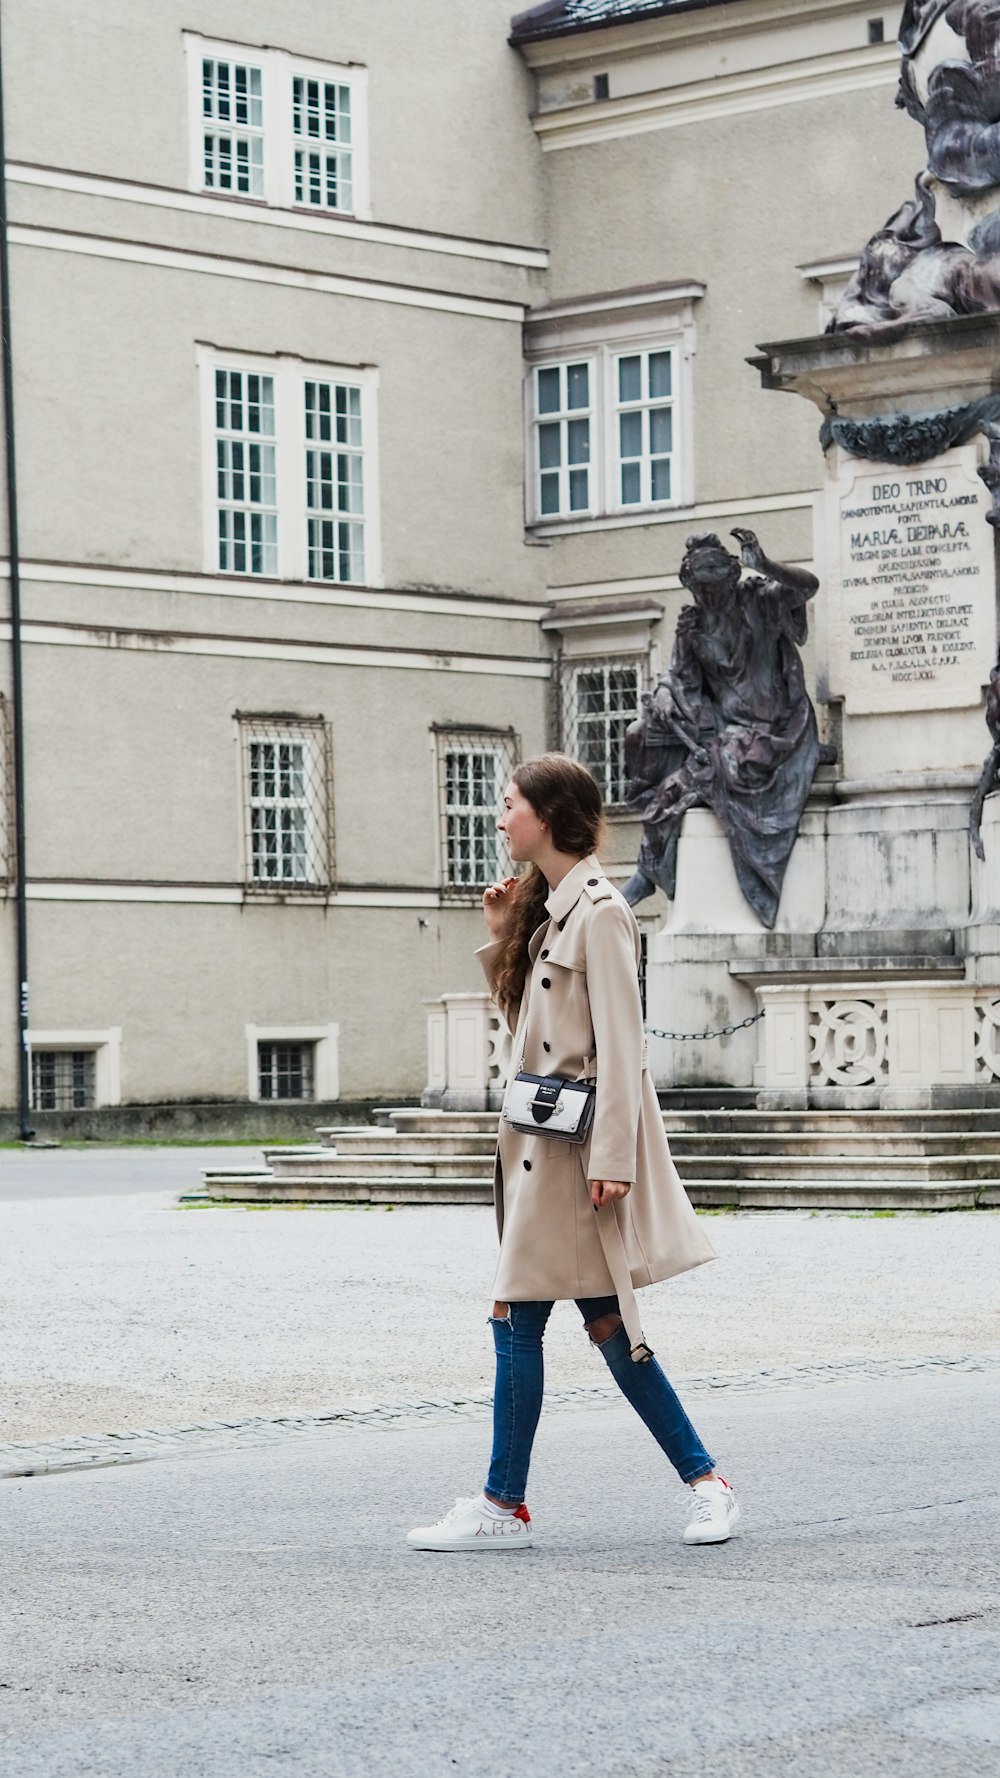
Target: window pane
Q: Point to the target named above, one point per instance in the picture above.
(630, 429)
(630, 379)
(578, 385)
(577, 441)
(661, 430)
(660, 364)
(631, 484)
(548, 445)
(550, 493)
(661, 478)
(578, 486)
(548, 391)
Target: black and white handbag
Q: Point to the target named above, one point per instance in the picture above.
(547, 1105)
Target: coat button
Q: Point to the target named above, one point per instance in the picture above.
(592, 882)
(527, 1166)
(546, 1047)
(545, 982)
(545, 953)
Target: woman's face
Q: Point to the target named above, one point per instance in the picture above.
(520, 826)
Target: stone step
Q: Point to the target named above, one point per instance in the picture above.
(720, 1121)
(822, 1167)
(759, 1194)
(827, 1143)
(256, 1188)
(833, 1194)
(817, 1122)
(443, 1142)
(327, 1165)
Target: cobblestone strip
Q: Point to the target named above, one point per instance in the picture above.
(211, 1437)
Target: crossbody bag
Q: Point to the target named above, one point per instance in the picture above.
(548, 1105)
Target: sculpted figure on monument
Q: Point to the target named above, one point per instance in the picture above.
(729, 726)
(990, 776)
(939, 255)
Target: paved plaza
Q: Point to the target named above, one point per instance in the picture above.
(316, 1381)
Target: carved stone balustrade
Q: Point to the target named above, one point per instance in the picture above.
(468, 1054)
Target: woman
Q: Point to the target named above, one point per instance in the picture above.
(588, 1221)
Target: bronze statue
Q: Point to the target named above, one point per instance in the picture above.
(990, 777)
(729, 726)
(939, 255)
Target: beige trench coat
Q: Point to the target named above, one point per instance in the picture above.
(581, 1014)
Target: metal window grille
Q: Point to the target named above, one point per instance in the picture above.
(285, 1070)
(232, 106)
(245, 473)
(334, 482)
(600, 700)
(288, 802)
(562, 426)
(644, 425)
(63, 1080)
(321, 123)
(474, 768)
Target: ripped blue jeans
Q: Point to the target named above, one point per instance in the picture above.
(517, 1398)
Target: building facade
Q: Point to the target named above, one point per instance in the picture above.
(371, 366)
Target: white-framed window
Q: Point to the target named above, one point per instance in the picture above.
(335, 480)
(283, 129)
(600, 699)
(287, 771)
(232, 126)
(245, 472)
(289, 1062)
(609, 408)
(644, 431)
(291, 468)
(75, 1070)
(562, 436)
(473, 770)
(322, 150)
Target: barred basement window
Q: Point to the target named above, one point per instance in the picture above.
(474, 768)
(62, 1080)
(600, 700)
(334, 482)
(321, 124)
(232, 106)
(288, 784)
(245, 473)
(285, 1071)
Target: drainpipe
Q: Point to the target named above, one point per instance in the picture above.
(25, 1129)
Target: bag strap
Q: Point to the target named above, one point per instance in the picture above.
(617, 1263)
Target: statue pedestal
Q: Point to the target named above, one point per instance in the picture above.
(875, 980)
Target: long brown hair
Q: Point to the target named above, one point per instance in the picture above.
(567, 798)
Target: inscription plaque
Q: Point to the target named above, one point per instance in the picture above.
(914, 619)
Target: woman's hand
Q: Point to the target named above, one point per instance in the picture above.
(495, 905)
(605, 1191)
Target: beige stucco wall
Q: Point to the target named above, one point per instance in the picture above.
(132, 746)
(450, 149)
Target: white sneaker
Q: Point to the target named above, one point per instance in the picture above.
(714, 1512)
(470, 1527)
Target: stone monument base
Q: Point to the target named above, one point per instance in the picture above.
(880, 985)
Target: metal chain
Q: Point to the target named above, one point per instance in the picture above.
(703, 1036)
